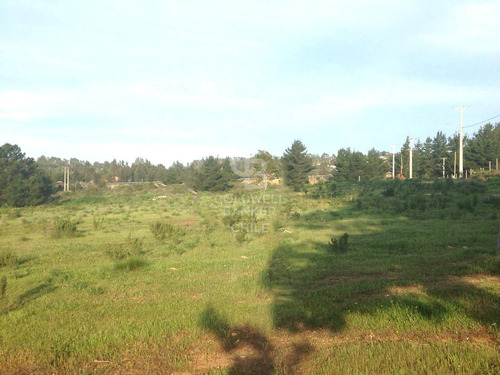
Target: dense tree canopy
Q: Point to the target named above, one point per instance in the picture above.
(479, 149)
(22, 183)
(295, 164)
(353, 165)
(213, 174)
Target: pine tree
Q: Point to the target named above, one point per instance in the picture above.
(296, 165)
(22, 183)
(213, 174)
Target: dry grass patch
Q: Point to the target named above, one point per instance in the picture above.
(404, 290)
(480, 280)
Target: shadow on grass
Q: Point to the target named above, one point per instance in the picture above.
(403, 275)
(29, 296)
(414, 279)
(250, 349)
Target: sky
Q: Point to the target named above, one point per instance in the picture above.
(182, 80)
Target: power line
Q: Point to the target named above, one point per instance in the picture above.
(480, 122)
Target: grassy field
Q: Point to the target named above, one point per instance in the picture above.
(160, 280)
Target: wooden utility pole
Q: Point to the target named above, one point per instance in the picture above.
(66, 179)
(393, 160)
(498, 241)
(461, 160)
(401, 167)
(455, 166)
(411, 156)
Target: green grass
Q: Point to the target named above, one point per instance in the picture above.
(156, 285)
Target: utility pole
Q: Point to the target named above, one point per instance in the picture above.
(443, 166)
(455, 166)
(66, 179)
(393, 160)
(461, 146)
(401, 167)
(411, 156)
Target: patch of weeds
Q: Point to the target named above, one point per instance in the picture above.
(466, 204)
(42, 223)
(339, 245)
(241, 236)
(81, 285)
(8, 259)
(3, 286)
(189, 245)
(131, 264)
(131, 247)
(58, 276)
(277, 223)
(98, 221)
(64, 228)
(21, 274)
(231, 219)
(162, 231)
(209, 221)
(13, 214)
(96, 291)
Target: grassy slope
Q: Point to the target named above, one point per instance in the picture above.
(410, 295)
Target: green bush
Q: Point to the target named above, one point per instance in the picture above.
(162, 231)
(339, 245)
(131, 264)
(3, 286)
(131, 247)
(64, 228)
(8, 258)
(98, 221)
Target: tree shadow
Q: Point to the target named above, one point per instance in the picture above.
(393, 270)
(29, 296)
(251, 350)
(314, 288)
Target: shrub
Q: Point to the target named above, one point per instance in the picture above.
(162, 231)
(131, 247)
(241, 236)
(130, 264)
(64, 228)
(98, 222)
(233, 218)
(339, 245)
(8, 258)
(3, 286)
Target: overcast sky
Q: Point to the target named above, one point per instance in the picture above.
(180, 80)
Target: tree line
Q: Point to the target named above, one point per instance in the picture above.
(24, 181)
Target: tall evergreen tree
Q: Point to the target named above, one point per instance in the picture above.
(440, 150)
(296, 165)
(484, 146)
(22, 183)
(213, 174)
(376, 165)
